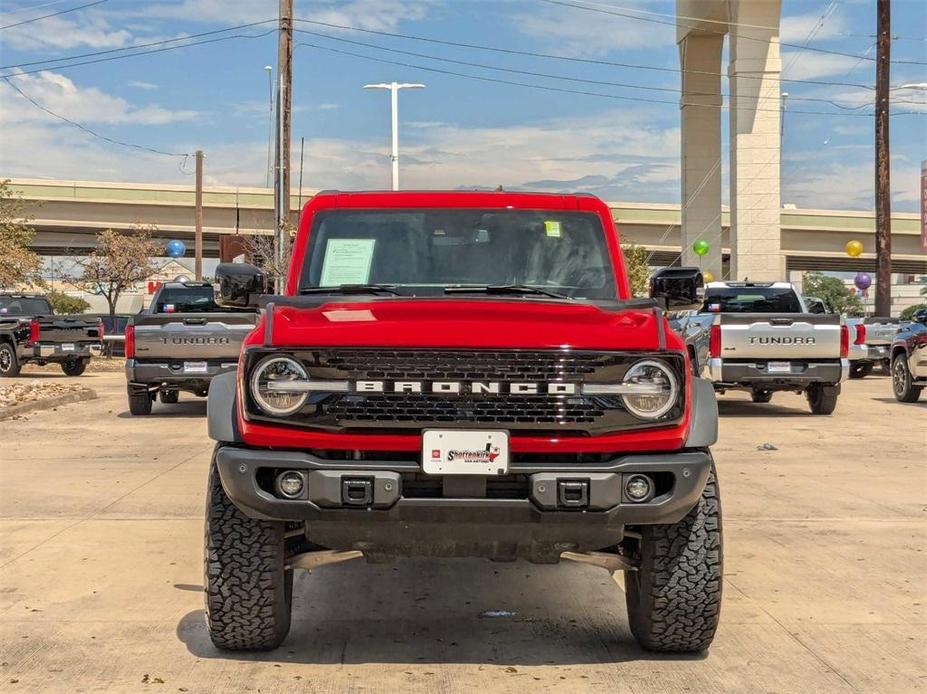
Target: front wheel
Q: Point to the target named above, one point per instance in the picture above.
(861, 370)
(822, 399)
(249, 590)
(903, 381)
(674, 597)
(74, 367)
(9, 364)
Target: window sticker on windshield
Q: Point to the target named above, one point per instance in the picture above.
(552, 228)
(347, 261)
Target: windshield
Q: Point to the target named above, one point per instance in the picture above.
(24, 306)
(751, 300)
(187, 300)
(423, 252)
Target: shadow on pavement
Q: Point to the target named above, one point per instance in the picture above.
(430, 612)
(893, 401)
(745, 408)
(193, 409)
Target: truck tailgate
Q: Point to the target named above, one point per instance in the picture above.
(200, 336)
(780, 336)
(68, 329)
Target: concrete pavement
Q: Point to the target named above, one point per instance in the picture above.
(825, 586)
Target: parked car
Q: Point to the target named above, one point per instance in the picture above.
(30, 332)
(762, 339)
(462, 374)
(180, 343)
(880, 333)
(909, 359)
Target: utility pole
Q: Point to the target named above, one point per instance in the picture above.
(198, 217)
(302, 147)
(284, 107)
(394, 88)
(883, 200)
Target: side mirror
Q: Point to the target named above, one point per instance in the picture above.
(677, 288)
(240, 285)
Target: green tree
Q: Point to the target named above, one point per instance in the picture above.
(64, 303)
(18, 265)
(835, 294)
(635, 261)
(119, 262)
(909, 312)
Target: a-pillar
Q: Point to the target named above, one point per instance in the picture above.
(700, 58)
(755, 116)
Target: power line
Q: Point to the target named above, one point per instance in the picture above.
(135, 47)
(88, 130)
(141, 53)
(32, 8)
(561, 90)
(53, 14)
(545, 75)
(551, 56)
(601, 10)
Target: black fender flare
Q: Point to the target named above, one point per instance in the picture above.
(221, 415)
(703, 419)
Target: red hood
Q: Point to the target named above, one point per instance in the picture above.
(468, 323)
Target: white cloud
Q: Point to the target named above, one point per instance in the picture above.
(89, 29)
(808, 66)
(575, 32)
(138, 84)
(83, 104)
(826, 182)
(797, 28)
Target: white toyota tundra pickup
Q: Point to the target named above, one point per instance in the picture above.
(763, 339)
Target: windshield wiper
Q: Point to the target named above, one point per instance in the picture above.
(505, 289)
(352, 289)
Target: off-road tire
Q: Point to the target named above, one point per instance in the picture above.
(249, 590)
(674, 598)
(169, 397)
(9, 364)
(74, 367)
(902, 382)
(822, 399)
(139, 401)
(761, 395)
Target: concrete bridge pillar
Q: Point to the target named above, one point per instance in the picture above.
(755, 117)
(700, 106)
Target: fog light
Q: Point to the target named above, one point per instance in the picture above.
(638, 488)
(290, 484)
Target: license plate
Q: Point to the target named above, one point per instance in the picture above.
(465, 452)
(68, 347)
(779, 367)
(194, 367)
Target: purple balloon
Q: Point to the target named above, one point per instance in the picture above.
(862, 281)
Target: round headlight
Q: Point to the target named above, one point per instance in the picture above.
(269, 385)
(656, 389)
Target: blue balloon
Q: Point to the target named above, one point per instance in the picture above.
(176, 248)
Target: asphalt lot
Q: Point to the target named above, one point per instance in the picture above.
(825, 586)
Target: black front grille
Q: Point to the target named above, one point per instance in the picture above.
(567, 414)
(418, 486)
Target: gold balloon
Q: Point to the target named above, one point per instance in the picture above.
(708, 277)
(854, 249)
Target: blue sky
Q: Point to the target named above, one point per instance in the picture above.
(456, 132)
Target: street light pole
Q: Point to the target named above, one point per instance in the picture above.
(394, 88)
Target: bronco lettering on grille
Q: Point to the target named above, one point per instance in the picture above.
(455, 387)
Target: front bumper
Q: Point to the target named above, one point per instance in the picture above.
(465, 518)
(57, 351)
(732, 374)
(174, 373)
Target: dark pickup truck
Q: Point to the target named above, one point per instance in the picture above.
(31, 332)
(181, 342)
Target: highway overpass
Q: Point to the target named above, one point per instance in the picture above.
(67, 215)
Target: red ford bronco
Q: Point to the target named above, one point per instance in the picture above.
(462, 374)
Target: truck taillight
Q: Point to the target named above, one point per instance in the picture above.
(130, 342)
(844, 341)
(35, 332)
(714, 341)
(860, 335)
